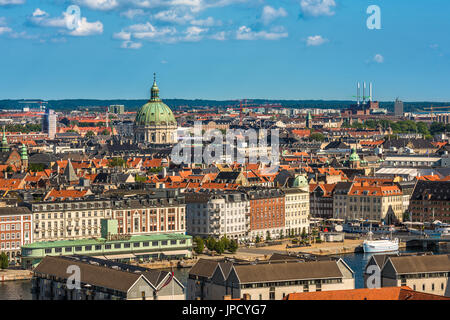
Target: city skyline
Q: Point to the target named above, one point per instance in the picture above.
(221, 50)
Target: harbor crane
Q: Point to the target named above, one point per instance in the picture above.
(431, 109)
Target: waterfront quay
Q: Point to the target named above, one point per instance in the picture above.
(15, 274)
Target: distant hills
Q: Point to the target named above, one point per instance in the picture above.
(133, 105)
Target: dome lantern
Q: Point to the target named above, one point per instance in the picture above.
(154, 91)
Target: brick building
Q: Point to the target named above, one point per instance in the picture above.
(430, 201)
(15, 231)
(267, 212)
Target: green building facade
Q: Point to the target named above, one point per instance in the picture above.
(120, 248)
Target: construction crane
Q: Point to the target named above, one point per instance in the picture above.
(431, 109)
(243, 104)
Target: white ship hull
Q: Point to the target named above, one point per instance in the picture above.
(372, 246)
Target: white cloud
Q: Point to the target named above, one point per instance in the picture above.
(378, 58)
(317, 8)
(149, 32)
(269, 14)
(103, 5)
(246, 33)
(221, 36)
(39, 13)
(122, 35)
(208, 22)
(131, 45)
(4, 30)
(84, 28)
(194, 33)
(11, 2)
(173, 16)
(131, 13)
(315, 40)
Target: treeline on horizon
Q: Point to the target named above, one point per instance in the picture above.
(133, 105)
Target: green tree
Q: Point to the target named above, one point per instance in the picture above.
(116, 162)
(139, 178)
(199, 245)
(36, 167)
(211, 243)
(90, 133)
(219, 247)
(317, 136)
(257, 239)
(4, 263)
(226, 242)
(233, 246)
(105, 133)
(268, 238)
(155, 170)
(303, 233)
(281, 234)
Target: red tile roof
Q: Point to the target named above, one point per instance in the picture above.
(386, 293)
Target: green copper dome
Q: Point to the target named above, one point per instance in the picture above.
(354, 156)
(300, 182)
(155, 112)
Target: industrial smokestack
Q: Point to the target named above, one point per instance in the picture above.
(357, 93)
(370, 92)
(364, 93)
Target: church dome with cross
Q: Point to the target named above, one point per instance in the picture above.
(155, 122)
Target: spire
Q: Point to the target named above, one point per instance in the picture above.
(154, 91)
(24, 153)
(4, 147)
(69, 172)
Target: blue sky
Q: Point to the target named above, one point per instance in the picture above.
(224, 49)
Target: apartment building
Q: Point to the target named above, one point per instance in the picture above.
(69, 219)
(430, 201)
(321, 200)
(428, 273)
(218, 213)
(163, 212)
(340, 197)
(15, 231)
(266, 280)
(267, 212)
(296, 211)
(373, 201)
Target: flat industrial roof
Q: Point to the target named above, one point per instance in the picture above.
(96, 241)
